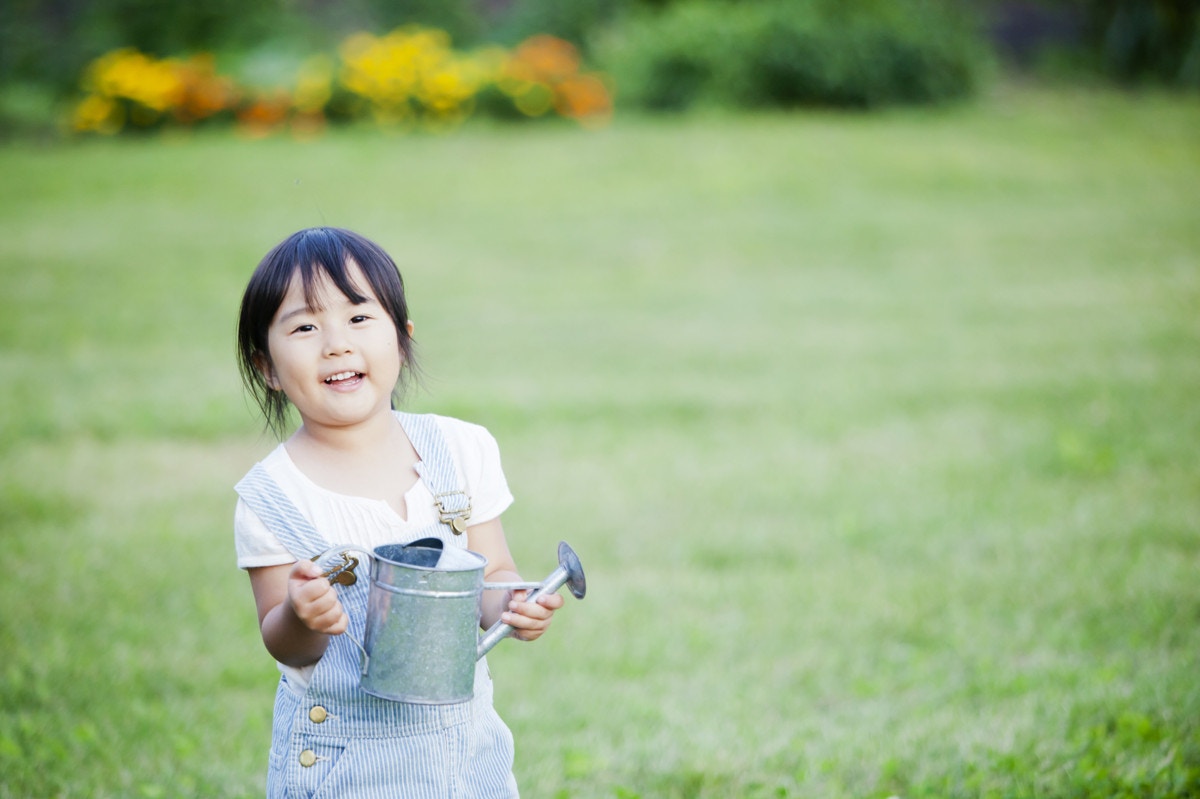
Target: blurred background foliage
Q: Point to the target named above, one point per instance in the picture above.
(656, 54)
(787, 53)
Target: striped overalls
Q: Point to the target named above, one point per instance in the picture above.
(337, 740)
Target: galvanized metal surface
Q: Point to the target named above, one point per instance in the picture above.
(422, 626)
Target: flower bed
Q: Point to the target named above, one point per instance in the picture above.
(410, 77)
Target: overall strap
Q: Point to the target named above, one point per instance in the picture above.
(281, 516)
(275, 509)
(436, 467)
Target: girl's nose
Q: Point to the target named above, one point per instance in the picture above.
(337, 343)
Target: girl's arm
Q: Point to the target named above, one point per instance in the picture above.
(297, 611)
(530, 619)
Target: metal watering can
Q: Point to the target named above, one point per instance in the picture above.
(422, 632)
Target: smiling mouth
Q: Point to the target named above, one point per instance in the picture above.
(340, 376)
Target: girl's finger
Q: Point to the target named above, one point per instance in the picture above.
(551, 601)
(306, 570)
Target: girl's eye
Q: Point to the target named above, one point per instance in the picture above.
(359, 318)
(304, 329)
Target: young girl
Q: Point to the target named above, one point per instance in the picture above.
(324, 326)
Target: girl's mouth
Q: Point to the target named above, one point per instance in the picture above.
(341, 376)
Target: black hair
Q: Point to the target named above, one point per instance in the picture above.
(314, 253)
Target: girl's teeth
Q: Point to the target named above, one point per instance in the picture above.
(340, 376)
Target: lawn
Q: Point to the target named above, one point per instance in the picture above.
(876, 434)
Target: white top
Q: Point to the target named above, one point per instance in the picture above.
(367, 523)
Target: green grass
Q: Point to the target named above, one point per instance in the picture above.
(877, 436)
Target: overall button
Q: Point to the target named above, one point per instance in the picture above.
(308, 757)
(317, 714)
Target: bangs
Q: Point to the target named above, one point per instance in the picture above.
(319, 257)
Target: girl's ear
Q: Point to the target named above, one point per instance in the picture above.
(410, 327)
(263, 364)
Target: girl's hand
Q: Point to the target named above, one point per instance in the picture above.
(314, 600)
(530, 619)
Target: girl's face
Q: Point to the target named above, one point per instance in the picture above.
(337, 363)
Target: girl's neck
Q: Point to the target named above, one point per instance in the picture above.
(375, 460)
(381, 431)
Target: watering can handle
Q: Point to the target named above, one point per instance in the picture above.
(499, 631)
(569, 573)
(332, 577)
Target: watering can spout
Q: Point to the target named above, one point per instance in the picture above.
(568, 573)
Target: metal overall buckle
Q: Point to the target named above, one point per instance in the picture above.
(455, 517)
(341, 573)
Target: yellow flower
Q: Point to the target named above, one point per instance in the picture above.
(314, 85)
(382, 71)
(131, 75)
(96, 114)
(411, 70)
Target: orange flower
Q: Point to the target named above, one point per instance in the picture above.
(584, 98)
(546, 58)
(205, 93)
(265, 114)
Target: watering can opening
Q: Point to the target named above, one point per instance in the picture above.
(424, 553)
(429, 553)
